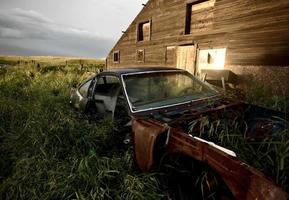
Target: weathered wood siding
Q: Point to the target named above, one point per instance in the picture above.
(255, 32)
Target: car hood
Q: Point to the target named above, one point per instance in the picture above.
(170, 113)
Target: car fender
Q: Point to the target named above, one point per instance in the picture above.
(145, 134)
(245, 182)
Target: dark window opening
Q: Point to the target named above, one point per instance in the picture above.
(116, 57)
(106, 84)
(140, 55)
(188, 19)
(198, 13)
(143, 31)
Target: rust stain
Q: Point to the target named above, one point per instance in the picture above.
(244, 181)
(145, 135)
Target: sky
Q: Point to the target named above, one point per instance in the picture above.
(80, 28)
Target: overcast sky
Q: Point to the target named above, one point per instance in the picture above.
(82, 28)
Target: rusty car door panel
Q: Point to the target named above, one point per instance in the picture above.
(244, 181)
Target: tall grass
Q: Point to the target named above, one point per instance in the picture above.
(264, 94)
(269, 154)
(50, 151)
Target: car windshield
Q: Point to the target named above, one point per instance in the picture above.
(158, 89)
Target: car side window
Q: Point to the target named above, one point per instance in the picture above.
(105, 94)
(106, 84)
(83, 90)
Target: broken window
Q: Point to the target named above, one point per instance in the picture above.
(105, 95)
(140, 55)
(199, 16)
(116, 57)
(144, 31)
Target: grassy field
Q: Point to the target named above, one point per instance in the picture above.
(48, 60)
(50, 151)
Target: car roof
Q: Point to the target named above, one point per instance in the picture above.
(127, 70)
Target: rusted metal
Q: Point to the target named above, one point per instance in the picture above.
(244, 181)
(144, 141)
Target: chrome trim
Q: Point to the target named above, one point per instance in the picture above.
(155, 108)
(223, 149)
(126, 96)
(153, 71)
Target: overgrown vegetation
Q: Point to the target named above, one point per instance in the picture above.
(49, 151)
(264, 94)
(269, 154)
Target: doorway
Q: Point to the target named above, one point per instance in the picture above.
(186, 58)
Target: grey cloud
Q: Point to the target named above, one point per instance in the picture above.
(29, 24)
(30, 15)
(30, 33)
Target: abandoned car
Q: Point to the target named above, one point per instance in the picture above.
(167, 108)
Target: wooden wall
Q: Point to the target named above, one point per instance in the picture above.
(255, 32)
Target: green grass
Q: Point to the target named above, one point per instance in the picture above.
(266, 95)
(50, 151)
(269, 154)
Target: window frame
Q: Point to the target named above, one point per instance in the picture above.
(137, 51)
(112, 93)
(188, 17)
(138, 30)
(133, 111)
(206, 47)
(103, 77)
(118, 56)
(90, 85)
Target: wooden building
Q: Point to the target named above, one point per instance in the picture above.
(244, 36)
